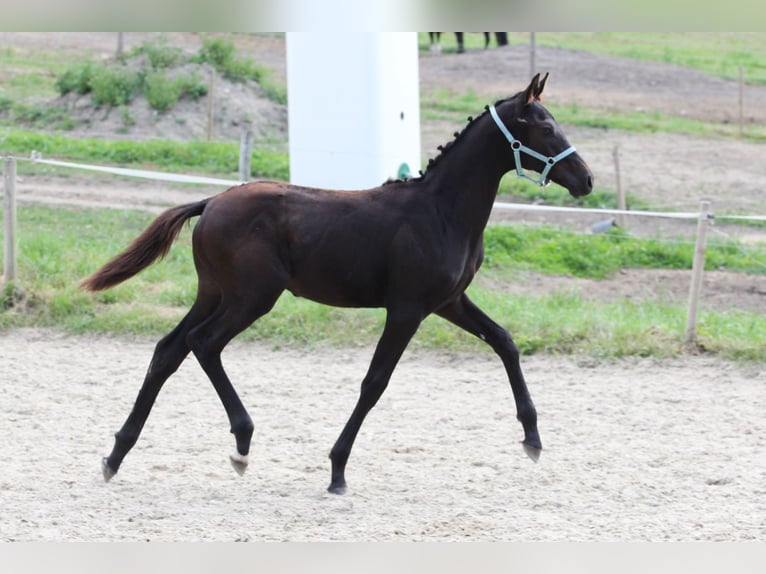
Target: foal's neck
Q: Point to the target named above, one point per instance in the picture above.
(465, 180)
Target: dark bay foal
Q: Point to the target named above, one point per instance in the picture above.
(411, 247)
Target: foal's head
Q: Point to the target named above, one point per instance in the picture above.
(539, 143)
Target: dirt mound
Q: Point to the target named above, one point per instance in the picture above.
(221, 108)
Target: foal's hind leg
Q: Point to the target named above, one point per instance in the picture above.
(207, 341)
(469, 317)
(168, 356)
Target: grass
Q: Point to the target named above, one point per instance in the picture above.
(717, 53)
(60, 246)
(195, 157)
(598, 256)
(445, 105)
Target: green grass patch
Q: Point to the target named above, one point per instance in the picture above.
(36, 115)
(59, 247)
(717, 53)
(443, 104)
(560, 252)
(218, 158)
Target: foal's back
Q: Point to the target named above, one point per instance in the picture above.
(335, 247)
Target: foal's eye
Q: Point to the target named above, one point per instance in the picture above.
(547, 130)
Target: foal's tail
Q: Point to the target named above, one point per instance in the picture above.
(152, 244)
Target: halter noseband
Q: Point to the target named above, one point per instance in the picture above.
(519, 147)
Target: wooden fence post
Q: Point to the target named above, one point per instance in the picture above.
(532, 54)
(245, 151)
(741, 101)
(622, 203)
(9, 213)
(210, 105)
(695, 289)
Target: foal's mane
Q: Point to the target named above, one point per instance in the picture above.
(446, 148)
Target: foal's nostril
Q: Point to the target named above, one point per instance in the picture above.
(590, 182)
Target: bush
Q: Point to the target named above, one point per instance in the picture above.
(193, 86)
(217, 52)
(220, 54)
(76, 79)
(160, 55)
(161, 92)
(114, 86)
(6, 103)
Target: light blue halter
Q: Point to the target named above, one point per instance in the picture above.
(519, 147)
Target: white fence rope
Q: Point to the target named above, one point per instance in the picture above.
(182, 178)
(532, 207)
(155, 175)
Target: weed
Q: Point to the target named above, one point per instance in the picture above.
(126, 117)
(221, 54)
(160, 54)
(114, 86)
(161, 92)
(6, 103)
(76, 79)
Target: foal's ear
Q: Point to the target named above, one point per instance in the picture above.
(541, 87)
(535, 89)
(532, 90)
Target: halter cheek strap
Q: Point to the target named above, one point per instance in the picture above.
(519, 148)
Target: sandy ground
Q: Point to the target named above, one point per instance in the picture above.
(634, 450)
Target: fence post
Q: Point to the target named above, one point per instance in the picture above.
(210, 105)
(9, 212)
(622, 204)
(698, 266)
(741, 101)
(532, 54)
(245, 151)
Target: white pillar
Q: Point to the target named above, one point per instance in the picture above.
(353, 107)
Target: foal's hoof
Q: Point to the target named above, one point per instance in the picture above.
(337, 488)
(106, 470)
(532, 451)
(239, 462)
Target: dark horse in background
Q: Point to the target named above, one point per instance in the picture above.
(411, 247)
(435, 40)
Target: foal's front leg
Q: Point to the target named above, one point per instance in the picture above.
(396, 335)
(469, 317)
